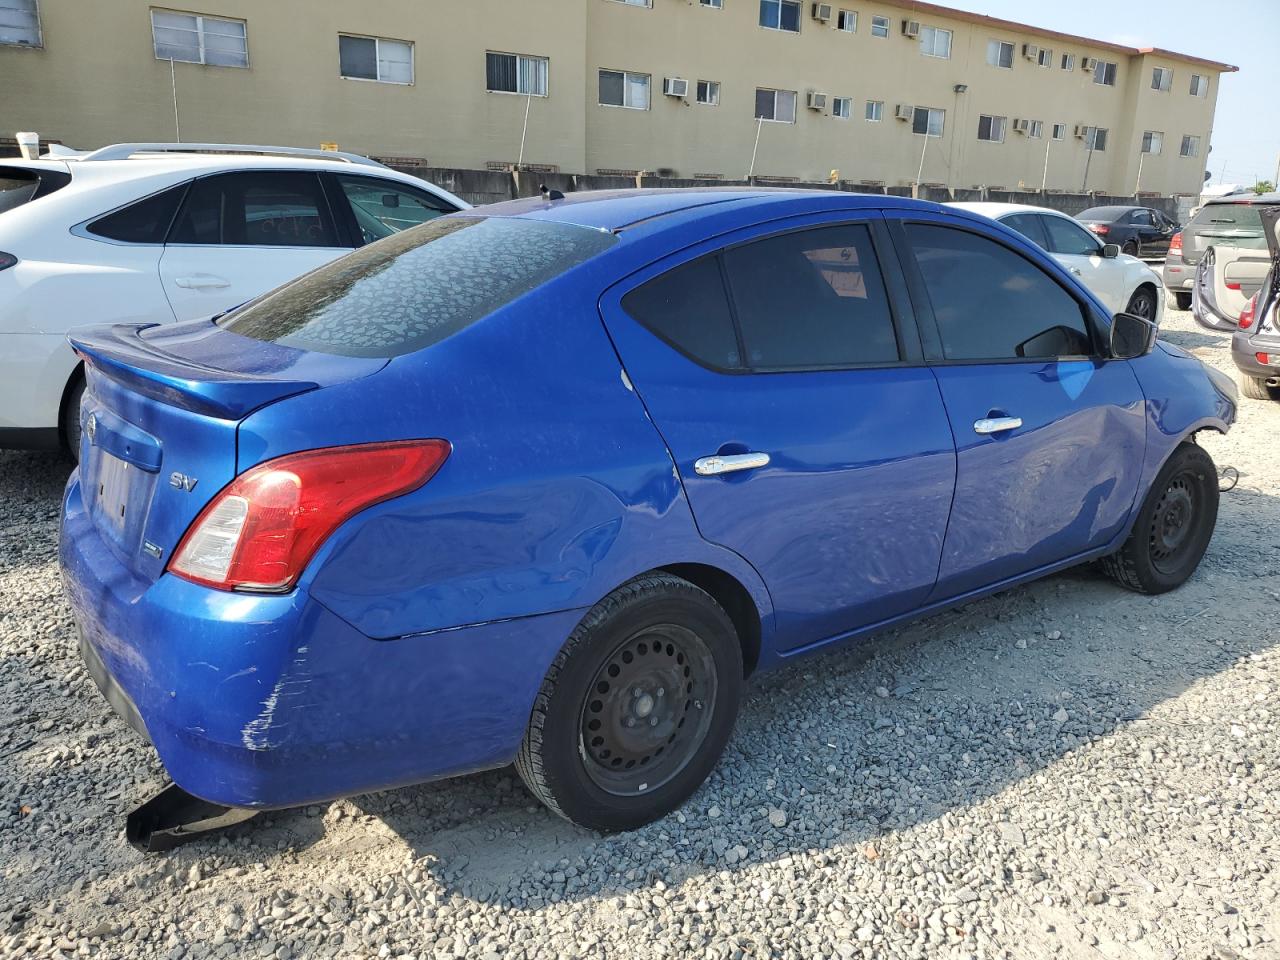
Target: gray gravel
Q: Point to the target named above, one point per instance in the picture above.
(1066, 769)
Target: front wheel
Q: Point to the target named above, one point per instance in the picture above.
(636, 708)
(1143, 304)
(1173, 527)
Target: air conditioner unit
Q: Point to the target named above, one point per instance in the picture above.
(911, 28)
(1030, 51)
(904, 111)
(1021, 126)
(816, 101)
(822, 11)
(1081, 131)
(1088, 63)
(675, 87)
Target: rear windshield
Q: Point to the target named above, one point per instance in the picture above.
(417, 287)
(1237, 224)
(19, 185)
(1103, 213)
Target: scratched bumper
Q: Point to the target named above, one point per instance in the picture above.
(274, 701)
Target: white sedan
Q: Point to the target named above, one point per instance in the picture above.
(156, 233)
(1123, 283)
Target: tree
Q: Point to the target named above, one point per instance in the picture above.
(1264, 186)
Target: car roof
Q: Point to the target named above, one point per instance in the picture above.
(997, 210)
(1112, 208)
(1265, 198)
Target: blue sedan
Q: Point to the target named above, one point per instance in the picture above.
(545, 482)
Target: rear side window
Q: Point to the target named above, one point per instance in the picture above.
(261, 209)
(992, 304)
(417, 287)
(21, 185)
(1069, 238)
(1029, 225)
(687, 308)
(381, 207)
(145, 221)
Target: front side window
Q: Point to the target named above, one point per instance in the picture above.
(1068, 238)
(417, 287)
(1095, 138)
(981, 294)
(1190, 146)
(192, 38)
(880, 27)
(1029, 225)
(928, 121)
(619, 88)
(991, 128)
(842, 107)
(847, 20)
(1105, 73)
(382, 208)
(709, 92)
(261, 209)
(935, 42)
(20, 23)
(1152, 141)
(1162, 79)
(777, 105)
(516, 73)
(143, 221)
(1000, 54)
(1059, 131)
(780, 15)
(1199, 85)
(875, 110)
(1068, 61)
(375, 58)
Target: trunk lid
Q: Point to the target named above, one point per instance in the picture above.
(160, 420)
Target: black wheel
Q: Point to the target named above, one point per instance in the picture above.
(71, 419)
(1143, 304)
(1173, 526)
(1255, 388)
(1183, 300)
(1130, 247)
(637, 707)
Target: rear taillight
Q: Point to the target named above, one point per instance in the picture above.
(261, 530)
(1101, 229)
(1249, 312)
(1263, 358)
(1175, 245)
(7, 260)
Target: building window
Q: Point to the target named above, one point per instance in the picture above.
(991, 128)
(636, 3)
(1095, 138)
(1000, 54)
(1105, 73)
(935, 42)
(1152, 141)
(1045, 57)
(1199, 85)
(709, 92)
(780, 15)
(191, 38)
(516, 73)
(879, 26)
(1190, 146)
(717, 4)
(1162, 79)
(619, 88)
(20, 23)
(842, 107)
(1059, 131)
(778, 105)
(875, 110)
(847, 20)
(928, 121)
(1037, 129)
(375, 58)
(1068, 61)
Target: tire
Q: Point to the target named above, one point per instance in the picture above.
(1142, 304)
(1183, 300)
(606, 758)
(1255, 388)
(71, 419)
(1130, 248)
(1173, 527)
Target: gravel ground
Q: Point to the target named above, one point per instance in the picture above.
(1066, 769)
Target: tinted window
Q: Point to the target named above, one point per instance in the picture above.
(1069, 238)
(1103, 214)
(1027, 224)
(1141, 218)
(417, 287)
(19, 185)
(992, 304)
(382, 208)
(687, 308)
(146, 221)
(813, 298)
(1235, 224)
(268, 209)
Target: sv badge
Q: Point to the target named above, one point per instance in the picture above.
(180, 481)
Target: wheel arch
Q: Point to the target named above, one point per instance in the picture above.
(76, 377)
(732, 595)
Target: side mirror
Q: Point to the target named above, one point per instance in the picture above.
(1110, 251)
(1131, 336)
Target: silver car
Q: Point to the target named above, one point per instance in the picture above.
(1229, 230)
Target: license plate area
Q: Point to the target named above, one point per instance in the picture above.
(114, 481)
(118, 495)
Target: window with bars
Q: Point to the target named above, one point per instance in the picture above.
(1000, 54)
(20, 23)
(516, 73)
(194, 38)
(375, 58)
(991, 128)
(776, 105)
(621, 88)
(935, 42)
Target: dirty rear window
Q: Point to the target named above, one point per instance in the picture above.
(1237, 224)
(417, 287)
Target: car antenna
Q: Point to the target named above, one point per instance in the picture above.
(548, 194)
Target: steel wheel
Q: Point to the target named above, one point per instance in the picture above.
(1172, 522)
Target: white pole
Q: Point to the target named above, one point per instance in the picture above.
(759, 126)
(915, 193)
(173, 83)
(1044, 180)
(1141, 159)
(525, 132)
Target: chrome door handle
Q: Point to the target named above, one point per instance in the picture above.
(996, 424)
(728, 463)
(201, 282)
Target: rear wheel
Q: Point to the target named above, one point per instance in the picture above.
(1130, 247)
(1255, 388)
(71, 418)
(1173, 526)
(1143, 304)
(637, 707)
(1183, 300)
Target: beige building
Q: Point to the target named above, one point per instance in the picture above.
(882, 92)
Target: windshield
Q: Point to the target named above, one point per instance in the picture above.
(417, 287)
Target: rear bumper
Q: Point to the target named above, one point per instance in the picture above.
(1244, 351)
(273, 701)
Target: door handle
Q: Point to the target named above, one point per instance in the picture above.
(729, 463)
(988, 425)
(201, 281)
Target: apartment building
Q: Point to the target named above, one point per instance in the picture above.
(879, 91)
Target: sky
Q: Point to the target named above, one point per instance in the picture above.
(1246, 128)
